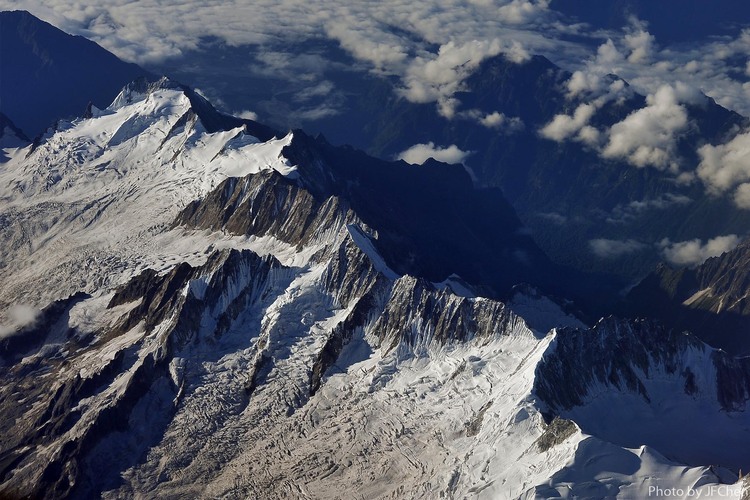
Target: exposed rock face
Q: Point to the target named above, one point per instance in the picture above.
(625, 354)
(710, 300)
(419, 314)
(661, 376)
(557, 432)
(424, 217)
(100, 383)
(174, 314)
(164, 325)
(267, 204)
(10, 135)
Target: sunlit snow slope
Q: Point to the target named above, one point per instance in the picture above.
(217, 320)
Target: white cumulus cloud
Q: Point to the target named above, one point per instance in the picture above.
(419, 153)
(437, 78)
(648, 136)
(639, 41)
(694, 252)
(522, 11)
(726, 167)
(495, 120)
(398, 37)
(563, 127)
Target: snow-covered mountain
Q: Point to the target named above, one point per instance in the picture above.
(197, 306)
(41, 63)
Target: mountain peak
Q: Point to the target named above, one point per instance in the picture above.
(40, 63)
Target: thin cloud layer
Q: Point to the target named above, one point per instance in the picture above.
(18, 316)
(624, 213)
(612, 249)
(431, 45)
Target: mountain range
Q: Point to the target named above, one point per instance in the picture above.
(569, 192)
(200, 305)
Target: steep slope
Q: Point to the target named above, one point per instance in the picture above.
(41, 63)
(10, 135)
(11, 138)
(429, 220)
(636, 383)
(228, 321)
(709, 299)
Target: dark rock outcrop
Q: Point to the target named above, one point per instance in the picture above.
(711, 300)
(623, 354)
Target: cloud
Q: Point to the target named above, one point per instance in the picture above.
(625, 213)
(726, 167)
(320, 89)
(742, 196)
(612, 249)
(500, 121)
(431, 45)
(399, 37)
(419, 153)
(522, 11)
(584, 82)
(639, 41)
(554, 217)
(563, 127)
(633, 55)
(694, 252)
(437, 78)
(315, 113)
(495, 120)
(381, 54)
(247, 114)
(19, 315)
(648, 136)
